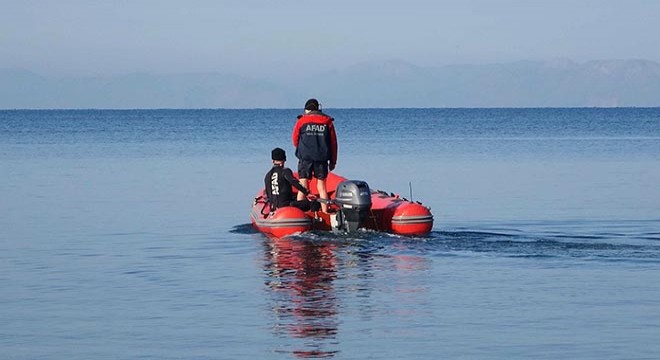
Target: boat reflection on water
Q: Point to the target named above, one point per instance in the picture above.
(314, 285)
(300, 281)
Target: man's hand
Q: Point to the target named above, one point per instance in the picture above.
(311, 197)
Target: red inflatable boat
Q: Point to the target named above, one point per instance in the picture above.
(352, 205)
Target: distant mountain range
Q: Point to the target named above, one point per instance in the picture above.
(601, 83)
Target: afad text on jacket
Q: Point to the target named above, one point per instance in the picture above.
(314, 137)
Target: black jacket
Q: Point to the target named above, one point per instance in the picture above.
(278, 186)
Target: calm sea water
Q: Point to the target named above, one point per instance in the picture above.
(125, 235)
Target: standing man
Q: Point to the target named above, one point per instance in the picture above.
(315, 141)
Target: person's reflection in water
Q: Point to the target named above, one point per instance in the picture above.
(300, 280)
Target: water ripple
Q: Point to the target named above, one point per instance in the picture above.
(511, 242)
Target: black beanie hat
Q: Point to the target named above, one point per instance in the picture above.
(278, 154)
(312, 104)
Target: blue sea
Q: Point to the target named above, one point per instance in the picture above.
(126, 235)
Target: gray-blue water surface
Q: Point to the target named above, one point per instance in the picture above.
(125, 235)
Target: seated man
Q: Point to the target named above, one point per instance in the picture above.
(278, 186)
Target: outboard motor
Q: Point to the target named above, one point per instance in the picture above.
(354, 200)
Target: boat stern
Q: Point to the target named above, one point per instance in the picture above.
(412, 219)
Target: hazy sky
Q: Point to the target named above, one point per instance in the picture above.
(259, 37)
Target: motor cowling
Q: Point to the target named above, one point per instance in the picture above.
(353, 198)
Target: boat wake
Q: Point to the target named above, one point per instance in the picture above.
(510, 242)
(609, 247)
(243, 229)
